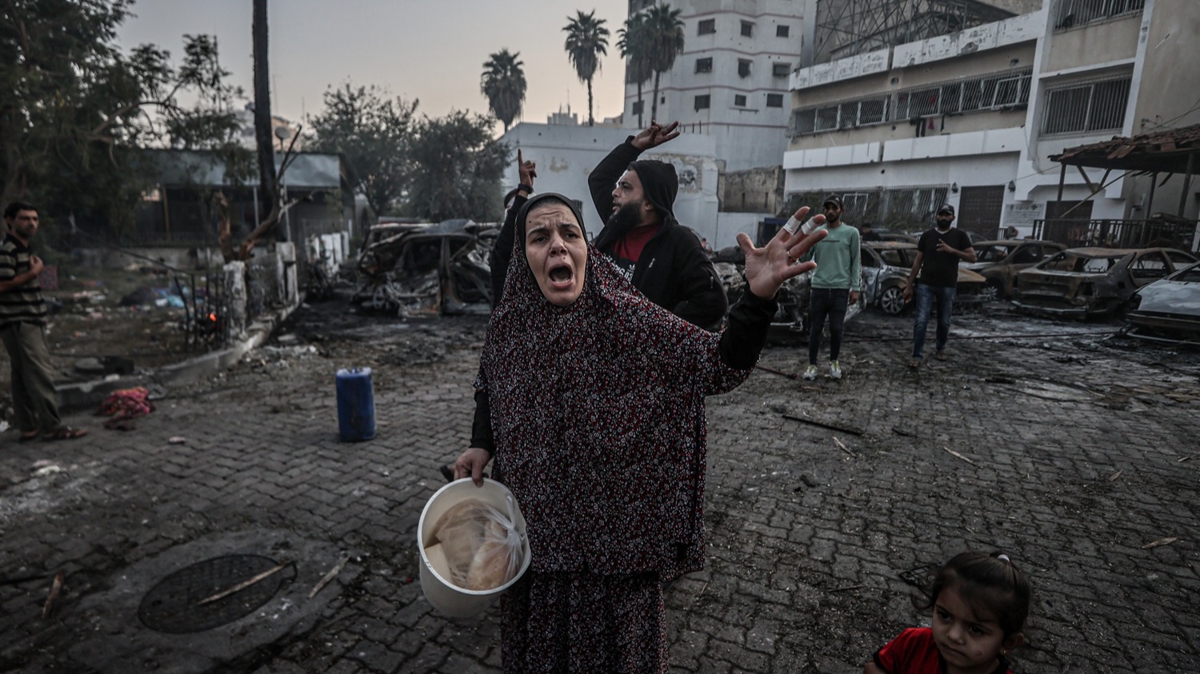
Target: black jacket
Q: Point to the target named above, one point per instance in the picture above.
(674, 272)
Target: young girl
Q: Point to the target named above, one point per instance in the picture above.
(979, 607)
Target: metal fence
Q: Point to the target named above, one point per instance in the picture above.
(1075, 13)
(1077, 233)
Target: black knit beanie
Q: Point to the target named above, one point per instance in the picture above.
(660, 184)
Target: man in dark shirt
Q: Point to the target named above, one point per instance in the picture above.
(22, 324)
(662, 258)
(938, 253)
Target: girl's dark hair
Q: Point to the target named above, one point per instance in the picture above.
(990, 584)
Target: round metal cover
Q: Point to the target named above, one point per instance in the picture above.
(171, 605)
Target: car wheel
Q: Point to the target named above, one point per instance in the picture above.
(892, 300)
(991, 292)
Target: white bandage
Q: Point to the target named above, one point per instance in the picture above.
(793, 224)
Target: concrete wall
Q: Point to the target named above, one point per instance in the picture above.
(1077, 47)
(753, 191)
(566, 155)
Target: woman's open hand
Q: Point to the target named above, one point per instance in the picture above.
(768, 267)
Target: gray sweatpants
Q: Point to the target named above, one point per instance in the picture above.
(34, 398)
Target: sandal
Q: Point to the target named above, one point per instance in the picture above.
(940, 355)
(65, 433)
(29, 435)
(914, 363)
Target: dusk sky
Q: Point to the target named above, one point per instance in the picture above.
(432, 51)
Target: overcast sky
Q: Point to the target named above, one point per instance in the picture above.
(425, 49)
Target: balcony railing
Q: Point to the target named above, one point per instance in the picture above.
(1077, 233)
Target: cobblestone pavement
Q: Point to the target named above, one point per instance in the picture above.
(1073, 454)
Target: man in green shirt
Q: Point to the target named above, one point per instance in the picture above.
(835, 285)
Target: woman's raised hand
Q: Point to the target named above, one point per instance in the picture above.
(768, 267)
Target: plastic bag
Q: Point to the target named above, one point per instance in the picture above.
(481, 545)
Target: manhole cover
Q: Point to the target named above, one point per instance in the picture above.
(171, 606)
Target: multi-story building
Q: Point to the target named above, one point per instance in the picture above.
(731, 80)
(972, 117)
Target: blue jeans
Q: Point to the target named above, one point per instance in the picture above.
(831, 303)
(926, 295)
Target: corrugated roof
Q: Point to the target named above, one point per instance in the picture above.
(1159, 152)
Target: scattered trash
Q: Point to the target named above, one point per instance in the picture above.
(1161, 541)
(841, 446)
(1115, 475)
(325, 580)
(124, 406)
(959, 455)
(824, 424)
(55, 589)
(51, 469)
(244, 584)
(176, 440)
(902, 431)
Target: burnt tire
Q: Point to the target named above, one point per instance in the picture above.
(891, 300)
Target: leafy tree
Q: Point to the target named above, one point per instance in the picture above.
(373, 132)
(503, 83)
(587, 41)
(456, 169)
(635, 42)
(666, 38)
(76, 109)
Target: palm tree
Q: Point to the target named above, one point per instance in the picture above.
(635, 44)
(503, 83)
(666, 38)
(587, 41)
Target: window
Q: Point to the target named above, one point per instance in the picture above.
(840, 116)
(782, 31)
(781, 69)
(743, 68)
(638, 106)
(702, 102)
(706, 27)
(1150, 265)
(747, 29)
(1180, 260)
(1072, 13)
(774, 100)
(1095, 106)
(704, 65)
(739, 100)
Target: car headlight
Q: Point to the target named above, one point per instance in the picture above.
(1135, 302)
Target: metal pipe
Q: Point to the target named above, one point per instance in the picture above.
(1187, 181)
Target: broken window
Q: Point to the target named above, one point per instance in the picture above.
(1149, 266)
(1093, 106)
(704, 65)
(706, 27)
(743, 67)
(1074, 13)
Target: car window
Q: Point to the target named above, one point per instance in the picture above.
(1061, 262)
(1188, 275)
(868, 260)
(1026, 255)
(1149, 266)
(1096, 265)
(990, 253)
(1180, 259)
(892, 257)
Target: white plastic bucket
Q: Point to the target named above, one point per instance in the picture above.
(445, 596)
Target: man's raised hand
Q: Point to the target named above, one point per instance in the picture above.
(655, 135)
(526, 170)
(768, 267)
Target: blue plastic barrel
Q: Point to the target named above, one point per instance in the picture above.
(356, 404)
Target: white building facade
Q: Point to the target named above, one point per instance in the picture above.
(971, 118)
(731, 80)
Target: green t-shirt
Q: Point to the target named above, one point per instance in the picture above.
(839, 259)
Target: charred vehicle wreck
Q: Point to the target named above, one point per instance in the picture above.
(425, 269)
(1093, 282)
(1167, 310)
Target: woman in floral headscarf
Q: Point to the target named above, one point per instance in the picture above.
(591, 399)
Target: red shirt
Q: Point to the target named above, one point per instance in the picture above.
(629, 249)
(914, 652)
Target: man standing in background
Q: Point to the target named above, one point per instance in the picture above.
(938, 253)
(835, 285)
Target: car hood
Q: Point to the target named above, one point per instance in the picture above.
(965, 275)
(1171, 297)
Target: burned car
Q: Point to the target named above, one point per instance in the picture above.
(425, 269)
(1093, 282)
(1168, 309)
(1000, 261)
(885, 269)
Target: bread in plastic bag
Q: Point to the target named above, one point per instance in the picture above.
(482, 546)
